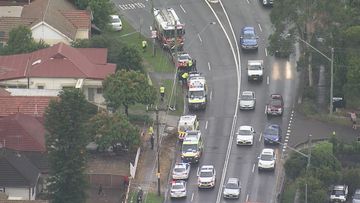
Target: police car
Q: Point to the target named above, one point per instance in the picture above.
(181, 171)
(178, 189)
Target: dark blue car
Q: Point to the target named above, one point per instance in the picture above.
(248, 38)
(272, 134)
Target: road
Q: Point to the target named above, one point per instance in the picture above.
(209, 45)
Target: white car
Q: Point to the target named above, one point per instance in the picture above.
(247, 100)
(115, 22)
(232, 189)
(181, 171)
(245, 135)
(339, 193)
(267, 159)
(206, 176)
(178, 189)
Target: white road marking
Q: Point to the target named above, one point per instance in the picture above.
(260, 27)
(210, 95)
(267, 80)
(289, 131)
(192, 197)
(209, 66)
(260, 137)
(265, 109)
(253, 169)
(197, 170)
(248, 1)
(266, 53)
(182, 8)
(206, 124)
(287, 134)
(289, 127)
(247, 198)
(199, 37)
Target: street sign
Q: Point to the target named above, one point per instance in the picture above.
(153, 34)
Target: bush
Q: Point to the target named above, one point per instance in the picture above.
(140, 119)
(308, 107)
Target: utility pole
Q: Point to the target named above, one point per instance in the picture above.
(156, 109)
(331, 81)
(307, 168)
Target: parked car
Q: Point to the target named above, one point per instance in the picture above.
(115, 22)
(267, 2)
(232, 189)
(275, 106)
(272, 134)
(245, 135)
(178, 189)
(247, 100)
(356, 196)
(248, 38)
(339, 193)
(181, 171)
(207, 176)
(267, 159)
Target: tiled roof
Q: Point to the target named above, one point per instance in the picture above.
(9, 23)
(79, 18)
(29, 105)
(16, 170)
(39, 159)
(58, 61)
(22, 133)
(3, 92)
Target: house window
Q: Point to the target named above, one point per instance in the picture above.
(99, 90)
(67, 87)
(40, 86)
(2, 189)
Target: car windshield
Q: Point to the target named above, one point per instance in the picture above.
(115, 20)
(338, 192)
(194, 94)
(254, 67)
(189, 148)
(271, 131)
(275, 102)
(244, 132)
(177, 187)
(179, 170)
(266, 157)
(183, 57)
(249, 35)
(206, 174)
(246, 97)
(171, 33)
(231, 186)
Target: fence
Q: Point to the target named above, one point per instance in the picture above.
(106, 180)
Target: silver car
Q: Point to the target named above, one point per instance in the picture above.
(247, 100)
(232, 189)
(356, 197)
(178, 189)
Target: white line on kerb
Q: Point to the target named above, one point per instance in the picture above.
(260, 27)
(267, 80)
(253, 169)
(199, 37)
(206, 124)
(266, 52)
(247, 198)
(209, 66)
(260, 137)
(192, 197)
(182, 8)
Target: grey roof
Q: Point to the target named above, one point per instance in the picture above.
(16, 170)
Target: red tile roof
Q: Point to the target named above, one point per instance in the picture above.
(58, 61)
(79, 18)
(3, 92)
(9, 23)
(22, 133)
(29, 105)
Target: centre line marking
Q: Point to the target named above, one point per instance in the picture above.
(199, 37)
(266, 53)
(192, 197)
(209, 66)
(267, 80)
(260, 137)
(182, 8)
(247, 198)
(206, 124)
(260, 27)
(253, 169)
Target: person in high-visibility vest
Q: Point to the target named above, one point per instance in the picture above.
(144, 45)
(162, 92)
(184, 78)
(190, 64)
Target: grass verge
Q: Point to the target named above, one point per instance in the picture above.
(149, 198)
(289, 192)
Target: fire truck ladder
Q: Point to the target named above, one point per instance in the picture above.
(168, 16)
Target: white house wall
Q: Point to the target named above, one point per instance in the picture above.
(47, 34)
(23, 193)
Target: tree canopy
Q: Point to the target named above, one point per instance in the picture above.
(125, 88)
(65, 122)
(21, 41)
(114, 130)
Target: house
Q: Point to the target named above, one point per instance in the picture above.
(58, 67)
(18, 176)
(52, 21)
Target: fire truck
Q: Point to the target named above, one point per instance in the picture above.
(166, 23)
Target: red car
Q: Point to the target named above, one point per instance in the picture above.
(275, 107)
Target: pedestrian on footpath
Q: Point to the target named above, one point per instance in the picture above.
(152, 139)
(100, 191)
(151, 130)
(144, 45)
(126, 181)
(162, 92)
(353, 119)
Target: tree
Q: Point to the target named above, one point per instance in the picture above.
(67, 136)
(110, 130)
(124, 56)
(102, 9)
(125, 88)
(81, 4)
(317, 191)
(21, 41)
